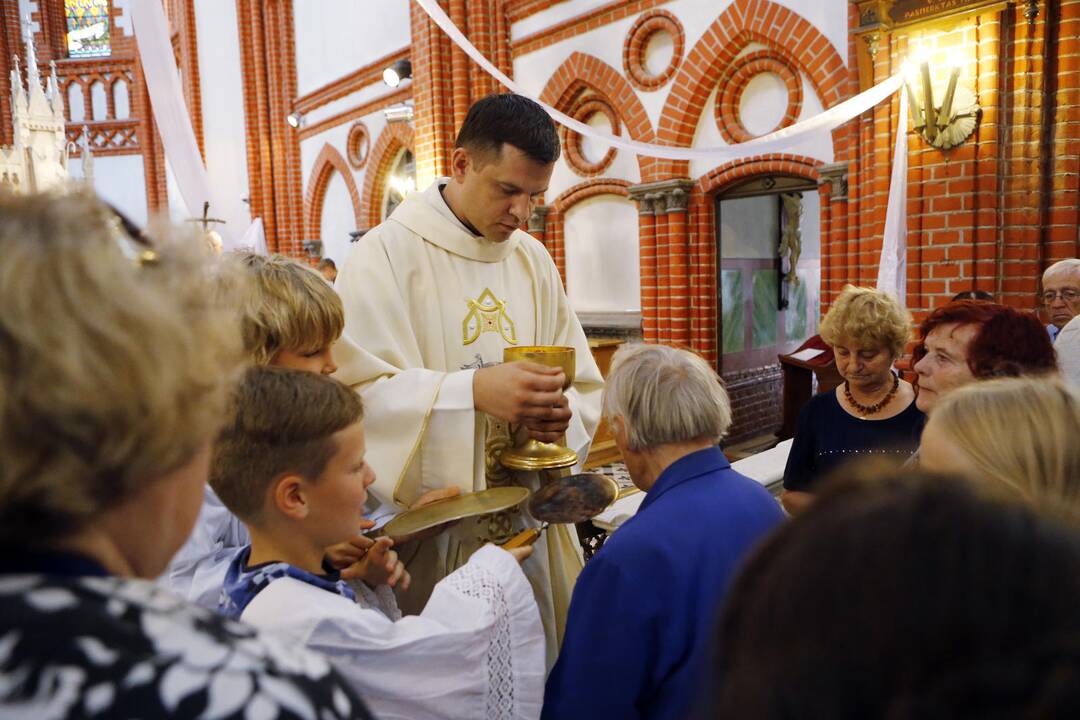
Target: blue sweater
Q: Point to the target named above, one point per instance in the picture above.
(642, 614)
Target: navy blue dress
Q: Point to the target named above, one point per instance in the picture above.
(827, 436)
(643, 609)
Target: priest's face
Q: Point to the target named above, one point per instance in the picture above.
(498, 189)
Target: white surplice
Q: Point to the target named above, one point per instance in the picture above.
(426, 304)
(475, 651)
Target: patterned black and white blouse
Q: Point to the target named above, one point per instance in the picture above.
(75, 643)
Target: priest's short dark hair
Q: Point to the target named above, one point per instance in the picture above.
(512, 119)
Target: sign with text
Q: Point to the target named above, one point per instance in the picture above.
(904, 12)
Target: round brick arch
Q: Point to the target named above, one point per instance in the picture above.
(744, 21)
(582, 72)
(327, 163)
(394, 138)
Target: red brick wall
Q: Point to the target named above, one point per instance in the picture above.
(994, 212)
(268, 61)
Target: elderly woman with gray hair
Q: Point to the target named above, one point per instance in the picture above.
(643, 607)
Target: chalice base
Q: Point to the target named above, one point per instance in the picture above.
(536, 455)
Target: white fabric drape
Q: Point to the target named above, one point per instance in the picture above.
(255, 238)
(892, 270)
(170, 112)
(779, 141)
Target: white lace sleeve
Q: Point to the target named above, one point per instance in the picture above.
(381, 598)
(515, 653)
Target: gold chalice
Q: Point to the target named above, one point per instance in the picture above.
(533, 454)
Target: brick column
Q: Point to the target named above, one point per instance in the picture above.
(647, 261)
(678, 292)
(434, 111)
(834, 198)
(268, 61)
(663, 329)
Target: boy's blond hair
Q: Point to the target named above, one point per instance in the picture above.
(283, 422)
(115, 361)
(290, 307)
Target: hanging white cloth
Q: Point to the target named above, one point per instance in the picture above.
(170, 112)
(255, 238)
(892, 270)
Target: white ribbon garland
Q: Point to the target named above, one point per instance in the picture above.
(778, 141)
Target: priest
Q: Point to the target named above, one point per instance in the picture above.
(432, 297)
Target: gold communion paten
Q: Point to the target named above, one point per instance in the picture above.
(533, 454)
(484, 502)
(487, 314)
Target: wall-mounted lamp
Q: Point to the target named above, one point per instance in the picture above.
(949, 124)
(393, 75)
(402, 112)
(296, 120)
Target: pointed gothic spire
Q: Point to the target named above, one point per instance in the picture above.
(32, 76)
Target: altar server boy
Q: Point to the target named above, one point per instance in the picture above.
(291, 466)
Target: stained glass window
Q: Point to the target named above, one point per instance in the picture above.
(87, 28)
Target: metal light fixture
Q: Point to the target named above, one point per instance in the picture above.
(946, 125)
(402, 112)
(393, 75)
(295, 120)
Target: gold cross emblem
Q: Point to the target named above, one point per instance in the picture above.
(487, 314)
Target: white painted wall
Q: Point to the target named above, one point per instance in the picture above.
(337, 220)
(602, 271)
(121, 182)
(335, 38)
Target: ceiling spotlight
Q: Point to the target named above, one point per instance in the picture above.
(393, 75)
(295, 119)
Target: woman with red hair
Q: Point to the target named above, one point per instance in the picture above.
(970, 340)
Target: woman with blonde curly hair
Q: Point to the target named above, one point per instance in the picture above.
(1016, 437)
(117, 355)
(873, 412)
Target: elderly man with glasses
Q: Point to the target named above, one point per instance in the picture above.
(1061, 294)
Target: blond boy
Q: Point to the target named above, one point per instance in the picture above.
(291, 466)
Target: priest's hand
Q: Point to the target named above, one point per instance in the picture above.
(552, 429)
(524, 393)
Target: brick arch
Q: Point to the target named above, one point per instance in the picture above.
(702, 241)
(744, 21)
(720, 177)
(581, 72)
(554, 234)
(327, 163)
(394, 138)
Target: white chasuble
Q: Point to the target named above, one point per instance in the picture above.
(426, 304)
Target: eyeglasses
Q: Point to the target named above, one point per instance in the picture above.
(1069, 295)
